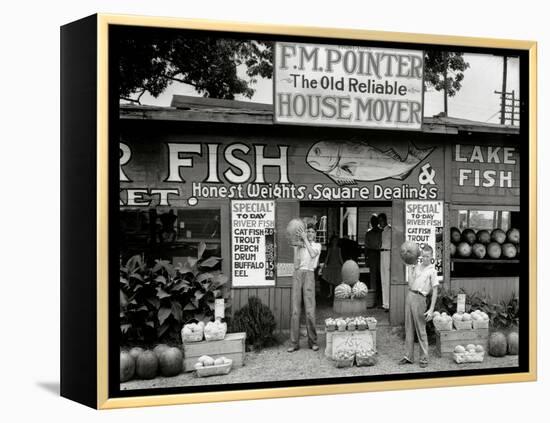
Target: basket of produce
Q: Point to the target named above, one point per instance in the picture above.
(371, 323)
(215, 331)
(480, 319)
(341, 324)
(442, 321)
(365, 357)
(351, 326)
(462, 321)
(469, 354)
(208, 366)
(192, 332)
(330, 324)
(361, 323)
(344, 357)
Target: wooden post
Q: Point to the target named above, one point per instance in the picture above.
(503, 92)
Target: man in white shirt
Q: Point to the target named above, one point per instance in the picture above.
(385, 254)
(306, 259)
(422, 281)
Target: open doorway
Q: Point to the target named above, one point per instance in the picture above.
(341, 230)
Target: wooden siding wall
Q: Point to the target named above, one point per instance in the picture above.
(277, 299)
(497, 289)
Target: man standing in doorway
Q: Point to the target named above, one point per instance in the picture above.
(373, 243)
(306, 259)
(385, 254)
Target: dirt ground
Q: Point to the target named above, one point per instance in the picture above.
(276, 364)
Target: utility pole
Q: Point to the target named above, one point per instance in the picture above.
(503, 91)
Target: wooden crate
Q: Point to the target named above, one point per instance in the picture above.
(233, 347)
(336, 337)
(348, 306)
(447, 340)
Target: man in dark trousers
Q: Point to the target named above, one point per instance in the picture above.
(373, 242)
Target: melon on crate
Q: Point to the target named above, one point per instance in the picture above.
(350, 272)
(342, 291)
(498, 346)
(360, 290)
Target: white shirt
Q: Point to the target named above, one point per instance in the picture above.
(386, 238)
(305, 260)
(423, 278)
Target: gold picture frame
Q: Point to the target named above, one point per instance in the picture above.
(103, 197)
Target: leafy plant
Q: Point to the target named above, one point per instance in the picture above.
(257, 320)
(156, 301)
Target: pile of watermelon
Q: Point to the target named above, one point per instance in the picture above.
(500, 344)
(483, 244)
(139, 363)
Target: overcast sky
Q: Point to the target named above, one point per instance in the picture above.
(475, 101)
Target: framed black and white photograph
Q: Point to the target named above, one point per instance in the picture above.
(254, 211)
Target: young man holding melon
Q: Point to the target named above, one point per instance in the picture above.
(422, 281)
(306, 259)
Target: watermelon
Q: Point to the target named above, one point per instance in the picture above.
(136, 351)
(292, 231)
(360, 290)
(350, 272)
(171, 362)
(494, 250)
(127, 366)
(483, 236)
(498, 235)
(410, 251)
(509, 250)
(159, 349)
(342, 291)
(469, 236)
(513, 343)
(498, 344)
(147, 365)
(513, 235)
(479, 250)
(464, 249)
(455, 235)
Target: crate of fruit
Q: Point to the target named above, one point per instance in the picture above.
(365, 357)
(442, 321)
(192, 332)
(480, 319)
(462, 321)
(330, 324)
(207, 366)
(361, 323)
(469, 354)
(344, 357)
(215, 331)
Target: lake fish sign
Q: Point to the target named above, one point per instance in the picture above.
(357, 86)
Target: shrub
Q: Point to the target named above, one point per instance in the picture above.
(156, 301)
(257, 320)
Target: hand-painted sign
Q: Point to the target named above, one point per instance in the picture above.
(183, 173)
(319, 84)
(487, 171)
(423, 225)
(253, 243)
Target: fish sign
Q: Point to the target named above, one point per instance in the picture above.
(347, 162)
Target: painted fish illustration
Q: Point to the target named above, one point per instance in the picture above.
(347, 162)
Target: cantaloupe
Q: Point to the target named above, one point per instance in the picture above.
(127, 366)
(171, 362)
(497, 344)
(513, 343)
(350, 272)
(147, 365)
